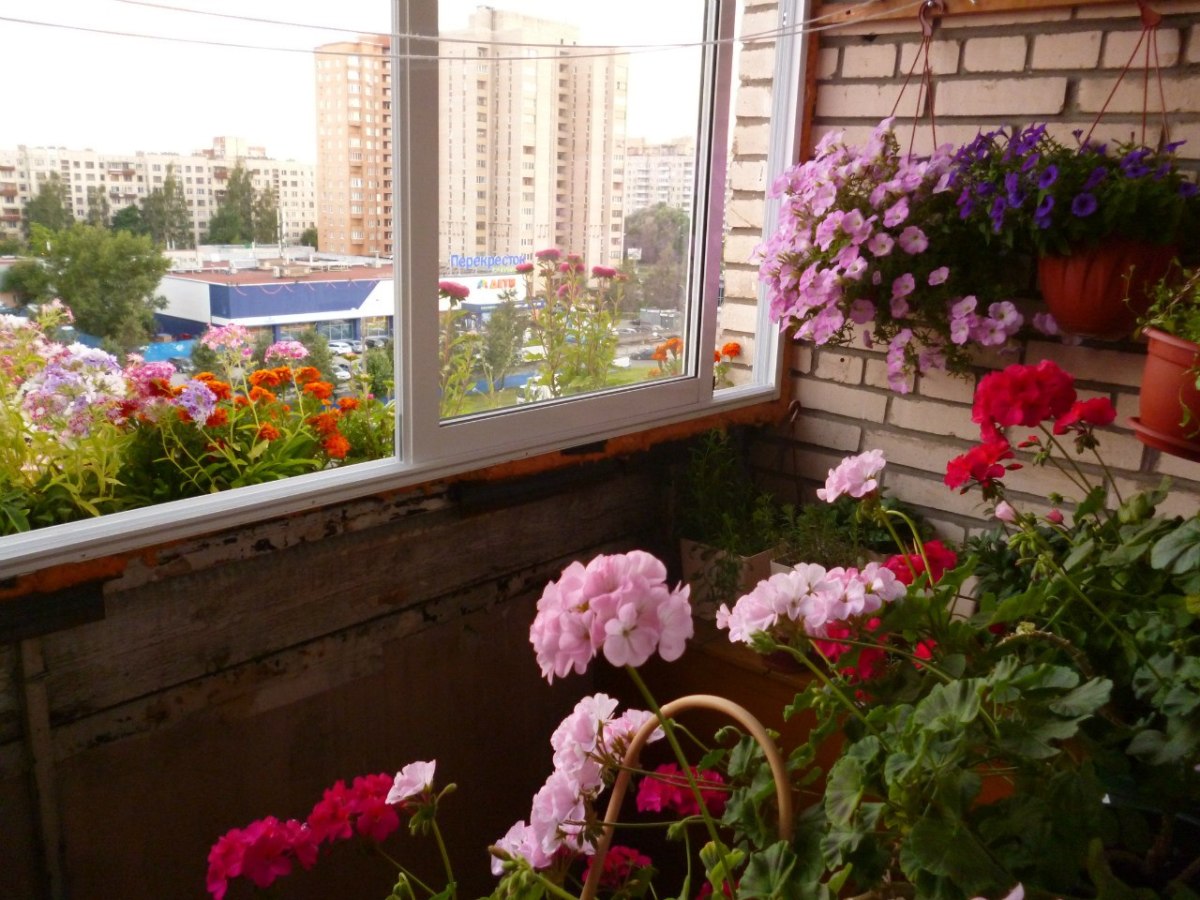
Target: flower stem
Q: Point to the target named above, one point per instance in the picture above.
(405, 872)
(437, 836)
(673, 740)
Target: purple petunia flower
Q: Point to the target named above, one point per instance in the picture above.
(1048, 177)
(1084, 205)
(1042, 215)
(1093, 181)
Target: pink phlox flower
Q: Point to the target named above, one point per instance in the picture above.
(939, 275)
(899, 307)
(227, 337)
(913, 240)
(989, 332)
(827, 230)
(1006, 313)
(896, 361)
(286, 350)
(413, 780)
(854, 271)
(854, 475)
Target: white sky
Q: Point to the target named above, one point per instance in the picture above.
(119, 94)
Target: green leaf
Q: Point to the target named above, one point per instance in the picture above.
(1084, 700)
(1178, 552)
(942, 848)
(1079, 555)
(1091, 504)
(949, 704)
(769, 874)
(844, 790)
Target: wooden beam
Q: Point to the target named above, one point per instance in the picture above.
(833, 14)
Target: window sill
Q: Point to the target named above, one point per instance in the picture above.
(73, 566)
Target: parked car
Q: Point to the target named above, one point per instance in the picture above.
(340, 347)
(378, 341)
(356, 346)
(342, 373)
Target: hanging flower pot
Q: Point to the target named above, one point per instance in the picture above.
(1086, 291)
(1169, 410)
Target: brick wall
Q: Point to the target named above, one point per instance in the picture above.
(990, 70)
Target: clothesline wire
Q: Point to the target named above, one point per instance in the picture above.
(627, 50)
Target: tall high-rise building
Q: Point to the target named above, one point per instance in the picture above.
(532, 141)
(354, 146)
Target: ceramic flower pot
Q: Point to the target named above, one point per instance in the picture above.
(1086, 291)
(1169, 404)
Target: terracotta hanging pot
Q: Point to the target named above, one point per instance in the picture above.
(1086, 291)
(1169, 407)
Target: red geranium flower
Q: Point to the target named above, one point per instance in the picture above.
(981, 464)
(1084, 413)
(1021, 395)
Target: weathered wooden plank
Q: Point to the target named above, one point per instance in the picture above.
(10, 695)
(200, 623)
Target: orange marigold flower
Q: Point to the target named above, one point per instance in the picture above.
(336, 445)
(221, 389)
(283, 373)
(161, 387)
(219, 417)
(345, 404)
(261, 377)
(674, 344)
(305, 374)
(660, 353)
(258, 393)
(322, 390)
(731, 349)
(716, 356)
(326, 422)
(268, 433)
(241, 400)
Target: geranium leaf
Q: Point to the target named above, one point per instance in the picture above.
(1178, 552)
(769, 874)
(844, 790)
(940, 848)
(1084, 700)
(953, 703)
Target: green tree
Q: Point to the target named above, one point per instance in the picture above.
(51, 208)
(500, 348)
(380, 368)
(266, 217)
(233, 222)
(659, 232)
(166, 215)
(28, 280)
(308, 238)
(99, 209)
(11, 246)
(129, 219)
(107, 279)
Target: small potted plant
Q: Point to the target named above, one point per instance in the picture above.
(1169, 404)
(869, 236)
(1104, 221)
(728, 527)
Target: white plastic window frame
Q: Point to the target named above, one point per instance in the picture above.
(428, 448)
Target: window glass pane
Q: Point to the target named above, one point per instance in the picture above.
(243, 199)
(566, 191)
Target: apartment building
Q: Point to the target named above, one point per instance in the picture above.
(127, 179)
(662, 172)
(532, 141)
(354, 150)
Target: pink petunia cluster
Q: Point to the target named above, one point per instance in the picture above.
(853, 476)
(589, 744)
(268, 849)
(617, 604)
(668, 791)
(808, 599)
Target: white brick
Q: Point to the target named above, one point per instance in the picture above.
(748, 175)
(741, 282)
(842, 436)
(872, 101)
(746, 213)
(943, 58)
(1120, 450)
(827, 62)
(1090, 363)
(840, 367)
(1080, 50)
(1179, 93)
(1004, 96)
(995, 54)
(1108, 130)
(753, 102)
(739, 315)
(931, 492)
(752, 138)
(876, 375)
(739, 248)
(845, 401)
(944, 386)
(1127, 408)
(1120, 46)
(1189, 132)
(929, 417)
(754, 23)
(913, 450)
(869, 61)
(814, 465)
(757, 64)
(1180, 503)
(1178, 468)
(800, 358)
